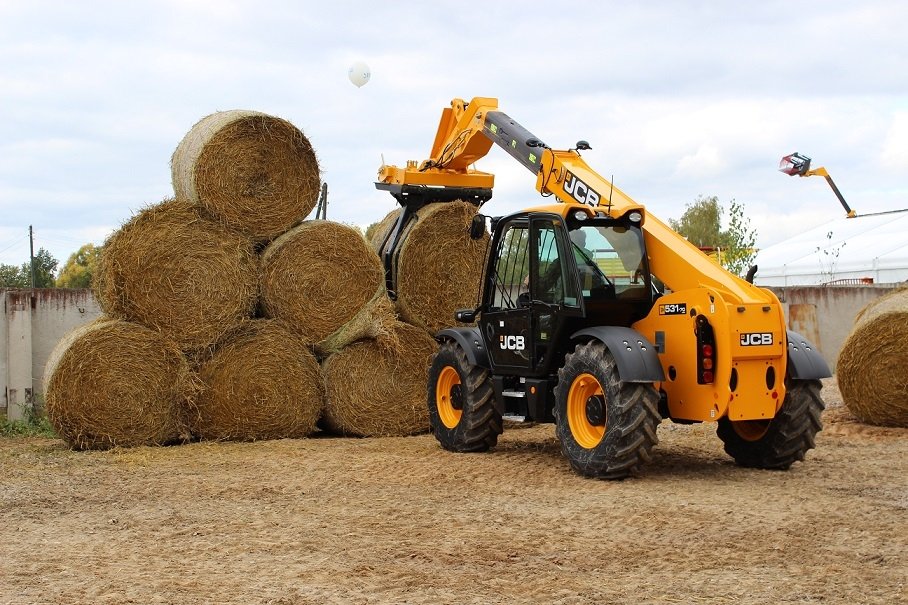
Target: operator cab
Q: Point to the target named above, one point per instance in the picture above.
(550, 275)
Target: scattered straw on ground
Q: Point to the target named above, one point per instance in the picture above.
(261, 383)
(439, 267)
(378, 387)
(872, 367)
(326, 283)
(114, 383)
(172, 270)
(257, 173)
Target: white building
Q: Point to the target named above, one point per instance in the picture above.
(870, 248)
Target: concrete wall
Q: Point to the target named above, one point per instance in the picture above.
(825, 314)
(33, 322)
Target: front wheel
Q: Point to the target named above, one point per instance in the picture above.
(783, 440)
(461, 402)
(607, 427)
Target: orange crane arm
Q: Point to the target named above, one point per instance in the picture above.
(466, 132)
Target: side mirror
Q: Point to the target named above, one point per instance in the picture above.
(751, 273)
(466, 316)
(478, 226)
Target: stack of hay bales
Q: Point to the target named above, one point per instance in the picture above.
(187, 271)
(871, 368)
(221, 303)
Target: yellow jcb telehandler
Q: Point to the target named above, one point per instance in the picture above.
(597, 316)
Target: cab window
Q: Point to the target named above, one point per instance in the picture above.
(512, 267)
(552, 281)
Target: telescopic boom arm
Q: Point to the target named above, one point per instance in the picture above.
(465, 134)
(798, 164)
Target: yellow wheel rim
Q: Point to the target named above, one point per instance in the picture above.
(447, 412)
(587, 433)
(751, 430)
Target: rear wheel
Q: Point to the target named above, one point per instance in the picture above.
(607, 427)
(461, 402)
(783, 440)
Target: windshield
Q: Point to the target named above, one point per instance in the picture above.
(609, 256)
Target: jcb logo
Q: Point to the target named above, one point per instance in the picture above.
(511, 343)
(755, 339)
(580, 191)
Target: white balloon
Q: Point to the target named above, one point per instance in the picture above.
(359, 73)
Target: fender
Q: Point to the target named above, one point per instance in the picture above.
(470, 341)
(634, 354)
(804, 361)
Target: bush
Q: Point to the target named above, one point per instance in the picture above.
(34, 424)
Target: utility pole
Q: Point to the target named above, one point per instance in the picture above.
(321, 210)
(31, 253)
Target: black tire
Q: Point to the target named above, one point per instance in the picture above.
(610, 437)
(782, 441)
(461, 402)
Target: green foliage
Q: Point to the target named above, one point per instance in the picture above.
(34, 424)
(20, 277)
(740, 240)
(80, 267)
(11, 277)
(701, 224)
(45, 266)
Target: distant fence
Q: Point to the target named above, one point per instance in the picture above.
(825, 314)
(35, 320)
(33, 323)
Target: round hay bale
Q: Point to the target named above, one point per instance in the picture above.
(377, 387)
(382, 229)
(326, 283)
(439, 267)
(257, 173)
(172, 270)
(114, 383)
(261, 383)
(871, 368)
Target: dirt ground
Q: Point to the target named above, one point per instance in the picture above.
(328, 520)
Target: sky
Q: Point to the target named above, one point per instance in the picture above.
(678, 99)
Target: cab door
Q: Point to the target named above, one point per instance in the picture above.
(554, 288)
(532, 287)
(505, 321)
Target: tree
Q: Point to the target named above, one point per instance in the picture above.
(11, 277)
(701, 224)
(80, 267)
(21, 277)
(740, 240)
(45, 265)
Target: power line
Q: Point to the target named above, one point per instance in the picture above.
(14, 244)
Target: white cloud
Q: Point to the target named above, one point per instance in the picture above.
(894, 154)
(677, 99)
(705, 161)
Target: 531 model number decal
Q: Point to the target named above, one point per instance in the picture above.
(673, 309)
